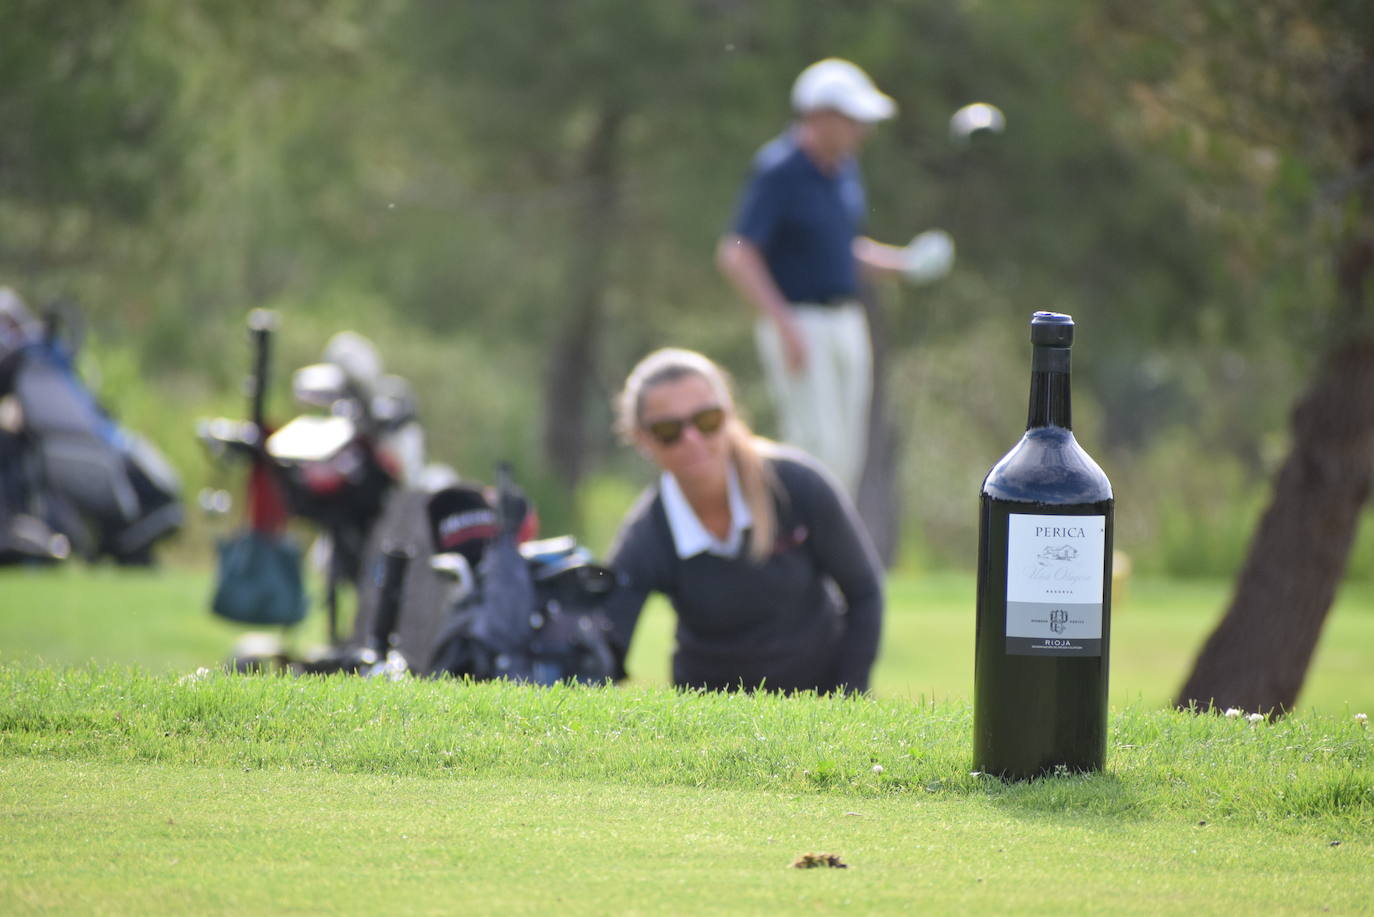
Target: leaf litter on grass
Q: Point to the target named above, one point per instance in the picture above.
(815, 860)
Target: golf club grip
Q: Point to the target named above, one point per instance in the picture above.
(260, 326)
(395, 562)
(511, 507)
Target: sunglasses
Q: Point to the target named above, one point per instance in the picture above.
(667, 432)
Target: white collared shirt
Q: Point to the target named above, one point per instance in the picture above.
(690, 537)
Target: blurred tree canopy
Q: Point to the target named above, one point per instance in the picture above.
(517, 200)
(1275, 103)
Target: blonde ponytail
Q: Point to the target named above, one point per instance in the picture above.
(758, 484)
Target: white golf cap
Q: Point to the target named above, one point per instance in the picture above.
(840, 85)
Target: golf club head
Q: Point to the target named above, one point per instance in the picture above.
(975, 119)
(455, 568)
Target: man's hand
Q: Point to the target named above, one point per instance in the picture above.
(742, 264)
(794, 346)
(927, 258)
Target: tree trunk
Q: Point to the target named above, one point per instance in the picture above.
(573, 352)
(1258, 656)
(878, 500)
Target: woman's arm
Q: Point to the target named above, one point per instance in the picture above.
(636, 559)
(845, 552)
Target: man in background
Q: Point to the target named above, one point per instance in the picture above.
(795, 253)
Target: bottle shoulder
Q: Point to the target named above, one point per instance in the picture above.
(1048, 466)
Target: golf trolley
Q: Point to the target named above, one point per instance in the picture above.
(329, 466)
(449, 581)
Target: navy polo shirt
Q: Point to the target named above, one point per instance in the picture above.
(803, 221)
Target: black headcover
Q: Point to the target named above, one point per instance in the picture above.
(462, 521)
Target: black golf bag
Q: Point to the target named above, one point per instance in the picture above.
(71, 479)
(526, 611)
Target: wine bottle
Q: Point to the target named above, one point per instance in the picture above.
(1044, 597)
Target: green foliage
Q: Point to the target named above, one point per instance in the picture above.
(85, 95)
(454, 180)
(1264, 109)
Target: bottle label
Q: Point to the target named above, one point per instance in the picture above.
(1055, 568)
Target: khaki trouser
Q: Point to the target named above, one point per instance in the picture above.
(824, 408)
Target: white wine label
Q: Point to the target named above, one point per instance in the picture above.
(1055, 568)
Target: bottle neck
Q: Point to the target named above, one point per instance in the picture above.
(1050, 404)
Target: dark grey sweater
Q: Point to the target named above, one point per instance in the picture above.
(808, 617)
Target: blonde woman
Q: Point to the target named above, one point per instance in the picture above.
(773, 579)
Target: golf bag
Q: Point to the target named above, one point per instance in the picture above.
(526, 611)
(335, 466)
(71, 479)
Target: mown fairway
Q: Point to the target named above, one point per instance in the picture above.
(130, 793)
(157, 839)
(153, 790)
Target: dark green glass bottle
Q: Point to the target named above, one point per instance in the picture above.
(1044, 587)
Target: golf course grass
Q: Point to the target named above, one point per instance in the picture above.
(131, 782)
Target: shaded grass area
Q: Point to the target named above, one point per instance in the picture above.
(1161, 763)
(164, 838)
(159, 620)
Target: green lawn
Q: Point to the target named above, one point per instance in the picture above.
(128, 793)
(138, 839)
(160, 621)
(130, 785)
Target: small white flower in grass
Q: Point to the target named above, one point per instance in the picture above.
(877, 768)
(1255, 717)
(1362, 718)
(1232, 713)
(199, 674)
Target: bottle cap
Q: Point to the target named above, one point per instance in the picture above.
(1051, 329)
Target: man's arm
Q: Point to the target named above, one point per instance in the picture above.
(878, 259)
(927, 258)
(742, 264)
